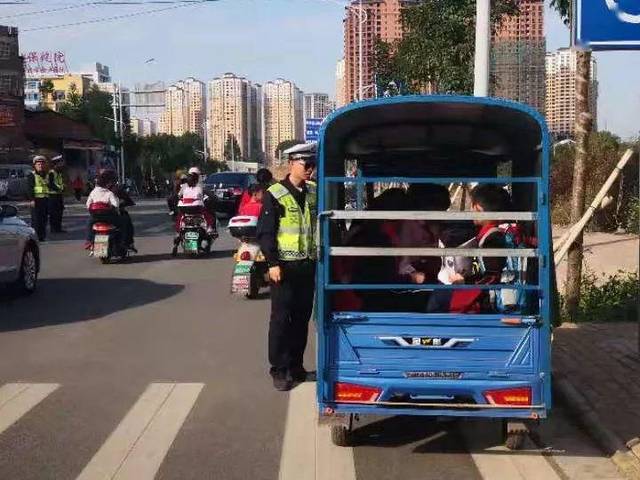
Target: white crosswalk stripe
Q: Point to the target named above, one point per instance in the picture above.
(16, 399)
(136, 448)
(307, 450)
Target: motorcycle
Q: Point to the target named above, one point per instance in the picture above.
(107, 243)
(192, 232)
(251, 272)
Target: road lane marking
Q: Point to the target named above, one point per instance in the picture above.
(499, 463)
(307, 450)
(16, 399)
(138, 445)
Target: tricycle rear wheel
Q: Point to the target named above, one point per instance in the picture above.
(515, 434)
(340, 435)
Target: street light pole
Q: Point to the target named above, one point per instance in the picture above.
(483, 48)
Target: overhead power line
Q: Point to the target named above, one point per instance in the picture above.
(49, 10)
(119, 17)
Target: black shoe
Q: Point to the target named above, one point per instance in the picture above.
(281, 381)
(298, 374)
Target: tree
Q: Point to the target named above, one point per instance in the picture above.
(73, 107)
(46, 89)
(437, 49)
(232, 151)
(284, 145)
(563, 7)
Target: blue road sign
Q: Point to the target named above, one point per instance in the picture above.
(608, 24)
(312, 129)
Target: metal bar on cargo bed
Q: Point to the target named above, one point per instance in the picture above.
(420, 215)
(437, 180)
(432, 252)
(410, 287)
(440, 405)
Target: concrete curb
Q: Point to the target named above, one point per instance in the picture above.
(625, 459)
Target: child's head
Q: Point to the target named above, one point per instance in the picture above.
(256, 191)
(490, 198)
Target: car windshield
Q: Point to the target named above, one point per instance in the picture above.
(228, 179)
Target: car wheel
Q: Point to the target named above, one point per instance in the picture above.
(28, 278)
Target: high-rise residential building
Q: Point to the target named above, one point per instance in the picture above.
(283, 115)
(230, 115)
(143, 127)
(99, 74)
(184, 108)
(518, 56)
(317, 105)
(257, 124)
(377, 19)
(147, 101)
(561, 67)
(11, 96)
(341, 94)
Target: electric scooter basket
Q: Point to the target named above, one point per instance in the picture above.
(243, 226)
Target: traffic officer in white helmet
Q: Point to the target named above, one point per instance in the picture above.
(286, 233)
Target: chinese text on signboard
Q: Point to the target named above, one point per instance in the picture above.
(37, 64)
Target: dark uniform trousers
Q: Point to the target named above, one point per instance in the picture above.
(56, 207)
(39, 217)
(291, 308)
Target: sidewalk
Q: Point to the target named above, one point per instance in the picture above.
(596, 370)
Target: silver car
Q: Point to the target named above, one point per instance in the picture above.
(19, 252)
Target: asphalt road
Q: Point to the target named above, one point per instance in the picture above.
(150, 369)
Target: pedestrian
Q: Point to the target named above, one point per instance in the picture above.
(286, 234)
(56, 195)
(38, 194)
(78, 186)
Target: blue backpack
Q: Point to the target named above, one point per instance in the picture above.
(510, 300)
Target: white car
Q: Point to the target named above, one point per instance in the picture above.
(19, 252)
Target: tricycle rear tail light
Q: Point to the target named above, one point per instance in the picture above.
(511, 396)
(350, 392)
(237, 191)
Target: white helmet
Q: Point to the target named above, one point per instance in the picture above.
(194, 171)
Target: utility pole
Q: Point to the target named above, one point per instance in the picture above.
(204, 141)
(584, 125)
(483, 48)
(115, 118)
(121, 134)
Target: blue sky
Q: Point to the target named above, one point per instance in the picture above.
(300, 40)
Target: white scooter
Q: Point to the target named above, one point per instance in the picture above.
(251, 272)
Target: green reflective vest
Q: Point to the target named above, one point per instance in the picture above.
(40, 186)
(58, 181)
(296, 234)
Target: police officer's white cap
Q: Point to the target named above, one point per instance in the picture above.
(39, 158)
(302, 151)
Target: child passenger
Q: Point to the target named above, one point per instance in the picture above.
(477, 271)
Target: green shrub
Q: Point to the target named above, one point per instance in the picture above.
(608, 299)
(633, 217)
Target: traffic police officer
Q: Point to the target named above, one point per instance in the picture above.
(286, 233)
(56, 195)
(38, 193)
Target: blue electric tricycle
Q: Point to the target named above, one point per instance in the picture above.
(380, 351)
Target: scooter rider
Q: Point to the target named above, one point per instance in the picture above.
(286, 232)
